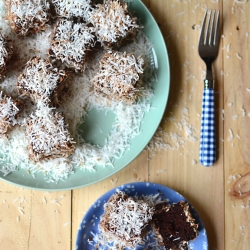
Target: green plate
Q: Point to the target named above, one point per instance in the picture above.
(149, 124)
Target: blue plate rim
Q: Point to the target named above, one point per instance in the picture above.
(104, 197)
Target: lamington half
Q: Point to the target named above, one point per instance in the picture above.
(72, 8)
(27, 16)
(6, 51)
(40, 81)
(71, 43)
(113, 23)
(9, 109)
(119, 76)
(48, 135)
(175, 225)
(124, 219)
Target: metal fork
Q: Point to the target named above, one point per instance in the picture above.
(208, 50)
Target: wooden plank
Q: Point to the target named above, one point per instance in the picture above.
(237, 107)
(83, 198)
(31, 219)
(178, 167)
(50, 225)
(14, 217)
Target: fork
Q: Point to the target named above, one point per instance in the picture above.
(208, 51)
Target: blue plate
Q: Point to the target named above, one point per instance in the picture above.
(91, 219)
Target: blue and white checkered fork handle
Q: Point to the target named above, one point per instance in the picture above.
(207, 140)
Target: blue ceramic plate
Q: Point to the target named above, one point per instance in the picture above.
(91, 219)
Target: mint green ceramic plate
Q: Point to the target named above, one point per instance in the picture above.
(149, 124)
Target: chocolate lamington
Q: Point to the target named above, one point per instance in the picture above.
(9, 109)
(176, 226)
(71, 43)
(27, 16)
(6, 51)
(113, 23)
(48, 135)
(124, 218)
(72, 8)
(119, 76)
(40, 81)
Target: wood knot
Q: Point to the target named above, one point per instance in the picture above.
(241, 187)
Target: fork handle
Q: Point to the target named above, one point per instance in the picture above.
(207, 140)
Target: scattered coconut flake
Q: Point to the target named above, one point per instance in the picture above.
(223, 114)
(15, 200)
(240, 1)
(114, 181)
(243, 112)
(181, 13)
(21, 211)
(66, 224)
(231, 136)
(161, 170)
(173, 140)
(239, 56)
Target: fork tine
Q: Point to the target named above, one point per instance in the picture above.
(217, 25)
(211, 32)
(208, 30)
(201, 42)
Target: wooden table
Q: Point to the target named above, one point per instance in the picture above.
(221, 194)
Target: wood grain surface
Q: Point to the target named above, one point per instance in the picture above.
(31, 220)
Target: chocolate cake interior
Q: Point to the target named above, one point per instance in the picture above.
(176, 225)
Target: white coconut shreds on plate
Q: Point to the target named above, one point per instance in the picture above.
(76, 103)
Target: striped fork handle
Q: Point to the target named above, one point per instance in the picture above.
(207, 140)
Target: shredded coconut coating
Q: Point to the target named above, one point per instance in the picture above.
(6, 51)
(71, 43)
(119, 76)
(113, 23)
(40, 80)
(9, 108)
(124, 218)
(48, 135)
(72, 8)
(27, 16)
